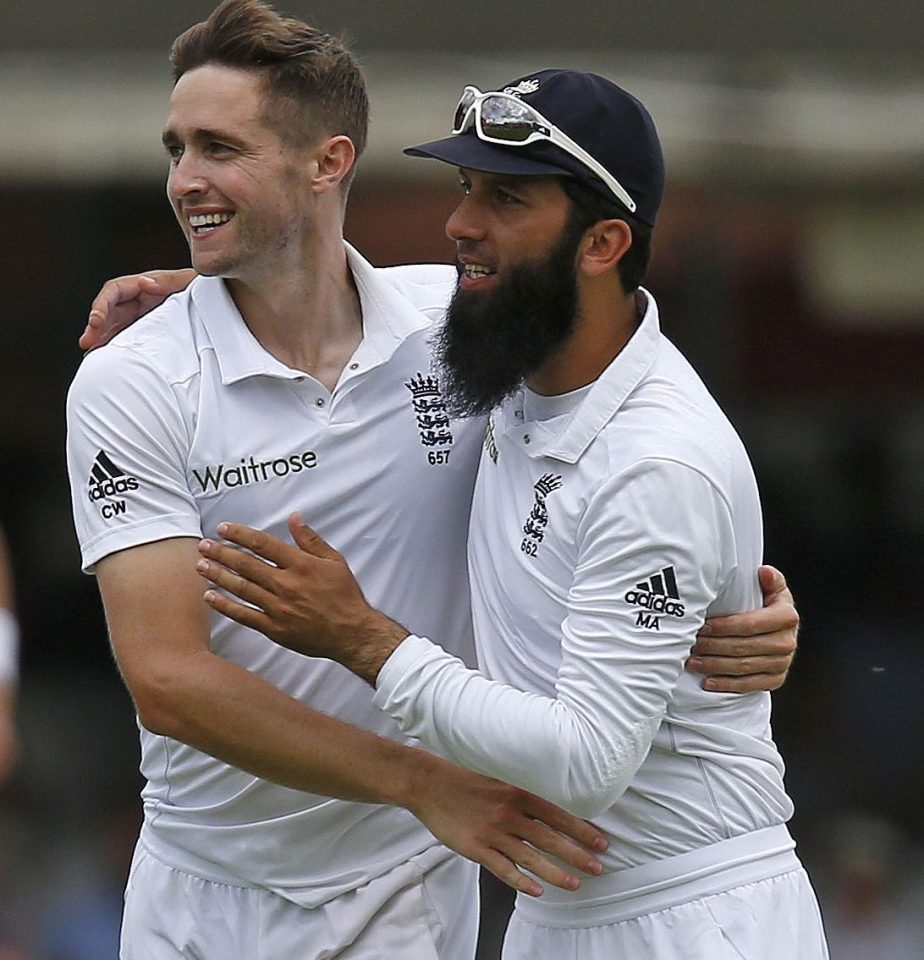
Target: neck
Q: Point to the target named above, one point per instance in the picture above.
(307, 316)
(604, 326)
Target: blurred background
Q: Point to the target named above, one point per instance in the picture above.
(789, 265)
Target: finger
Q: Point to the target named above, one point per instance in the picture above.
(245, 566)
(98, 331)
(238, 612)
(115, 292)
(234, 583)
(526, 857)
(506, 871)
(781, 643)
(738, 666)
(772, 619)
(549, 841)
(760, 681)
(579, 830)
(259, 542)
(308, 541)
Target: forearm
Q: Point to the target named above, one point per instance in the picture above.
(556, 748)
(234, 715)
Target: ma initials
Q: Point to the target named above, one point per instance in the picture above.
(647, 621)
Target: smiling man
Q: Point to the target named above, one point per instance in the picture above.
(615, 509)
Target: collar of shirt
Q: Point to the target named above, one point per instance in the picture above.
(566, 438)
(388, 320)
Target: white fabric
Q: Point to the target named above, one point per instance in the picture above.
(9, 646)
(413, 911)
(775, 918)
(185, 421)
(580, 525)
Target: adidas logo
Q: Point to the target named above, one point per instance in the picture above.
(658, 593)
(107, 480)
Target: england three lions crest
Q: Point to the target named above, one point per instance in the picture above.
(432, 420)
(538, 518)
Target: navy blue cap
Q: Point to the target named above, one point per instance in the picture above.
(606, 121)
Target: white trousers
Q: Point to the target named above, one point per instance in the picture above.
(773, 919)
(425, 909)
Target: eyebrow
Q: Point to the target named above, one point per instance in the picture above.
(200, 135)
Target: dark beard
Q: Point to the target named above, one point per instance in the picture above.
(492, 341)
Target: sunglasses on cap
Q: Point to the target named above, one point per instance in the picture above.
(506, 120)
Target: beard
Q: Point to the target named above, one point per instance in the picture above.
(493, 340)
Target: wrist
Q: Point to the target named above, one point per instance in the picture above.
(377, 638)
(9, 647)
(412, 790)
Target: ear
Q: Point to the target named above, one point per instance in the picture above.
(603, 246)
(335, 158)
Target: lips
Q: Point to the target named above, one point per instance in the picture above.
(475, 271)
(203, 223)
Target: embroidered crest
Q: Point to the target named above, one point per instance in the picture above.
(432, 419)
(524, 86)
(490, 444)
(538, 518)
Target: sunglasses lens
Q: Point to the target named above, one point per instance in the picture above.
(465, 104)
(503, 118)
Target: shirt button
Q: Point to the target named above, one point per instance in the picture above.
(354, 366)
(526, 438)
(518, 414)
(319, 402)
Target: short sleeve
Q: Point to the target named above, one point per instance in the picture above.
(127, 448)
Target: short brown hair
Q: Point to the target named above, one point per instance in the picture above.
(313, 86)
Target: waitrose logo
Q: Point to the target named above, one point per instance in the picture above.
(250, 471)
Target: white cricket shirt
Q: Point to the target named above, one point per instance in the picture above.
(601, 537)
(185, 421)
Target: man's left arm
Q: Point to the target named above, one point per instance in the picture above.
(739, 653)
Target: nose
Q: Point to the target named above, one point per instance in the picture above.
(464, 223)
(185, 177)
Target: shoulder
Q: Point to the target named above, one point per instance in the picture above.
(671, 415)
(162, 345)
(428, 286)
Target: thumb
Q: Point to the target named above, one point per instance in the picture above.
(772, 582)
(310, 542)
(148, 284)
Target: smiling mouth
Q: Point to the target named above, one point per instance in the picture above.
(475, 271)
(202, 223)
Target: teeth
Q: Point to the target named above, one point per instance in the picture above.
(209, 219)
(477, 270)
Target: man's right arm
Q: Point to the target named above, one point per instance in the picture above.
(159, 633)
(122, 300)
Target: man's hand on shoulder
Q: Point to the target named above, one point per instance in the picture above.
(122, 300)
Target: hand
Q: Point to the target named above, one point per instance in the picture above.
(751, 651)
(123, 300)
(505, 829)
(303, 597)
